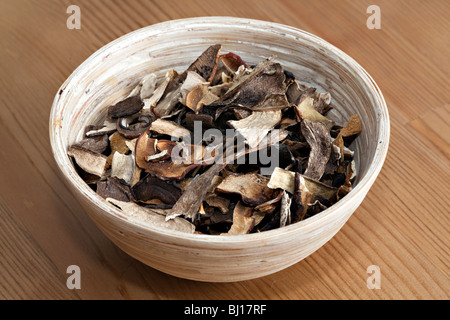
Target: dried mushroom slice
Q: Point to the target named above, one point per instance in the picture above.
(305, 110)
(122, 167)
(206, 63)
(251, 187)
(285, 210)
(126, 107)
(199, 96)
(319, 140)
(170, 128)
(255, 127)
(150, 102)
(166, 170)
(97, 144)
(133, 126)
(107, 128)
(192, 198)
(89, 161)
(152, 218)
(243, 222)
(112, 187)
(282, 179)
(264, 91)
(151, 188)
(352, 128)
(232, 61)
(148, 86)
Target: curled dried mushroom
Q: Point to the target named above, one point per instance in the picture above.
(225, 147)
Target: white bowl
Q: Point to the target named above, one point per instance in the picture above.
(110, 74)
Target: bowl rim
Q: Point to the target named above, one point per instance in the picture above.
(361, 189)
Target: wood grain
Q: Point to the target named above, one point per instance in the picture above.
(402, 226)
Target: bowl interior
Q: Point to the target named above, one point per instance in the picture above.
(113, 71)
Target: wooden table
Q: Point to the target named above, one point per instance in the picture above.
(402, 226)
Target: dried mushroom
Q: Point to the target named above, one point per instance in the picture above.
(224, 147)
(90, 161)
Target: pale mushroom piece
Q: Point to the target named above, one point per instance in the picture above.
(193, 79)
(122, 167)
(136, 90)
(170, 128)
(109, 126)
(243, 222)
(166, 106)
(255, 127)
(151, 218)
(89, 161)
(282, 179)
(285, 210)
(199, 96)
(131, 144)
(305, 110)
(151, 101)
(148, 86)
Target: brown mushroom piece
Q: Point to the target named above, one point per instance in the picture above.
(166, 170)
(263, 89)
(206, 64)
(113, 188)
(319, 140)
(97, 144)
(243, 222)
(127, 107)
(152, 218)
(251, 187)
(232, 61)
(133, 126)
(89, 161)
(150, 188)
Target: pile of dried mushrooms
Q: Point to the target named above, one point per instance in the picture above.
(144, 160)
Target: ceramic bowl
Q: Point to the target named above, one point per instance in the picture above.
(112, 72)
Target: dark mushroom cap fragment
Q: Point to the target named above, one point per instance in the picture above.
(96, 144)
(112, 187)
(206, 63)
(127, 107)
(150, 188)
(130, 129)
(232, 61)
